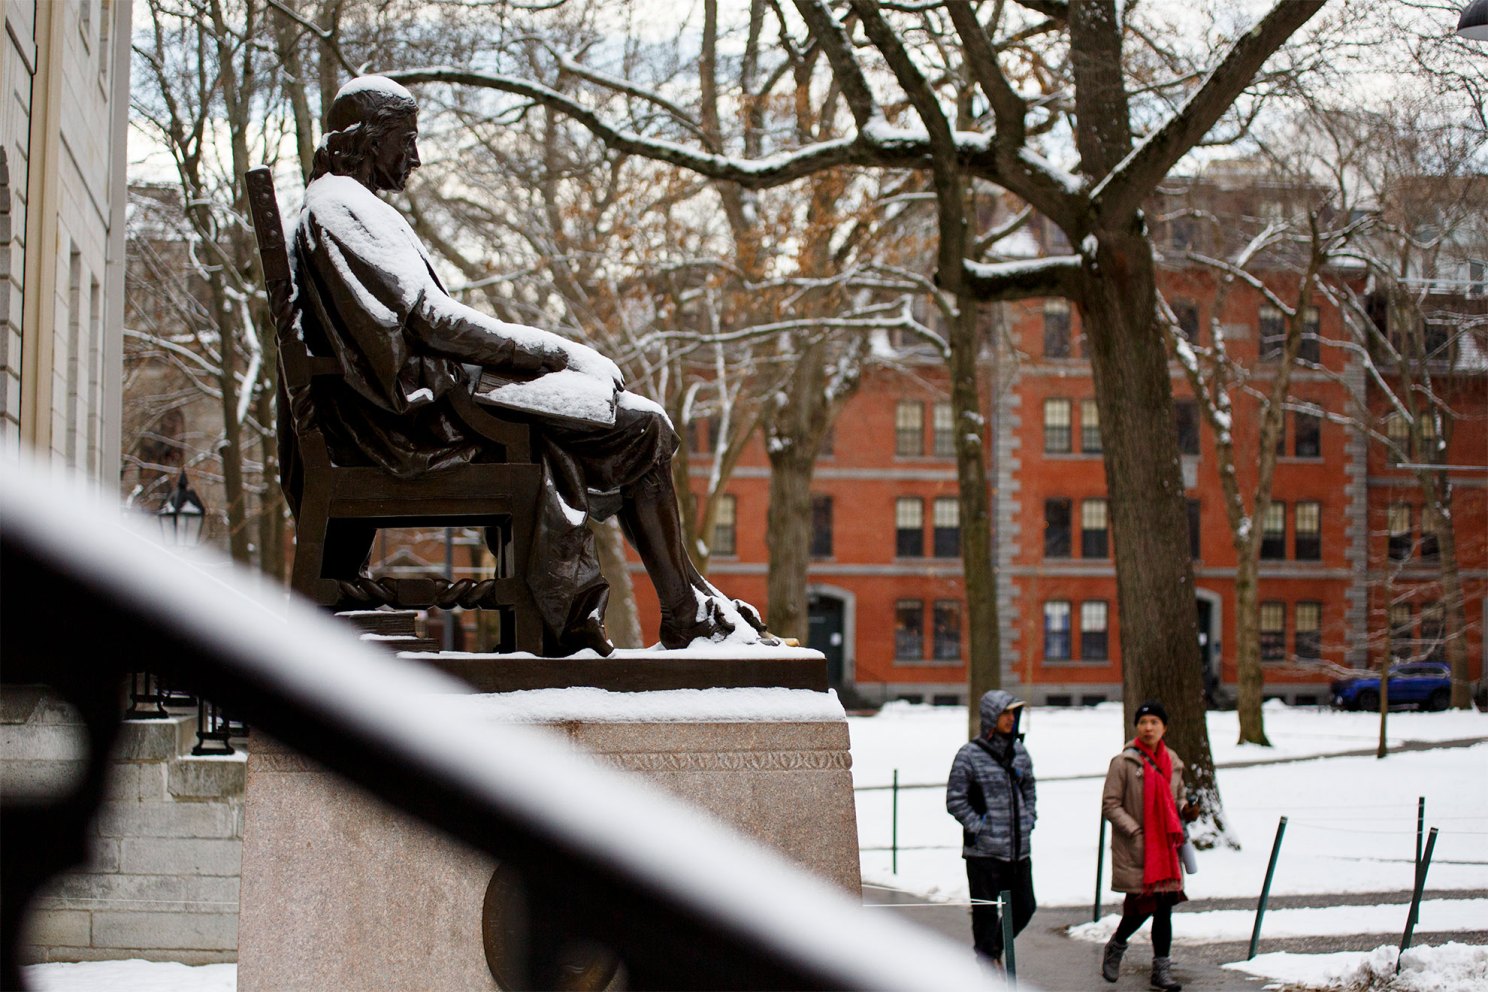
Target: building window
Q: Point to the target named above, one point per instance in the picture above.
(1186, 420)
(909, 429)
(105, 19)
(1309, 349)
(1094, 622)
(1094, 529)
(1056, 328)
(944, 431)
(909, 629)
(1397, 429)
(1428, 452)
(946, 527)
(1272, 329)
(1057, 426)
(1307, 531)
(1433, 633)
(1090, 438)
(1273, 532)
(909, 527)
(1430, 527)
(1188, 320)
(1193, 529)
(947, 631)
(1056, 528)
(1307, 631)
(821, 526)
(1057, 630)
(725, 528)
(1399, 521)
(1307, 432)
(1401, 622)
(1273, 631)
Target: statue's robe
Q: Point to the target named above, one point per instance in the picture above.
(367, 294)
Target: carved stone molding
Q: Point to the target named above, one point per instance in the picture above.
(731, 761)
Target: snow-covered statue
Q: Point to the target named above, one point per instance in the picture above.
(369, 295)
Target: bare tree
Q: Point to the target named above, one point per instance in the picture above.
(1245, 402)
(1096, 203)
(1420, 329)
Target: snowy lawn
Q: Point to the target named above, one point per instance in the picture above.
(1351, 821)
(1449, 968)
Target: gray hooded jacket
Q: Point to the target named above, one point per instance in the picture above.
(991, 790)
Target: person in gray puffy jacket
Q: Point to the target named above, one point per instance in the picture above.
(991, 794)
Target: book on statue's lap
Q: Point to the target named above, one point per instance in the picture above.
(569, 395)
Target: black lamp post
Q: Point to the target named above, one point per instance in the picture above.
(1473, 24)
(183, 515)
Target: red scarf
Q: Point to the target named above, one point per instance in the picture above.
(1162, 831)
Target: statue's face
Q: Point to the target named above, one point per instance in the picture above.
(396, 155)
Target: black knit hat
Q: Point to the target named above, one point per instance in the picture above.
(1151, 708)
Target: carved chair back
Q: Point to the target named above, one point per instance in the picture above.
(338, 508)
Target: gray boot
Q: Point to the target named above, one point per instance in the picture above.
(1162, 975)
(1111, 959)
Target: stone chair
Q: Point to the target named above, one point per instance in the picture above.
(501, 495)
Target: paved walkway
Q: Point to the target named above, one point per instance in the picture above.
(1049, 960)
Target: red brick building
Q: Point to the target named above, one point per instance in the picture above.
(1344, 559)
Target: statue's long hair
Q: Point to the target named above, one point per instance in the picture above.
(343, 153)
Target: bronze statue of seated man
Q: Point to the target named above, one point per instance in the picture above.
(367, 294)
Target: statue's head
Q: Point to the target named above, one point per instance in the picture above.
(371, 134)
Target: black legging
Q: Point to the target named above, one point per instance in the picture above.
(1134, 913)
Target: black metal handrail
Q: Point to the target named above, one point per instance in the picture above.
(683, 901)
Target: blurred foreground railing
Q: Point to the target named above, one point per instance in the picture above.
(682, 901)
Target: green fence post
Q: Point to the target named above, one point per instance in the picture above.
(894, 827)
(1255, 933)
(1005, 910)
(1415, 906)
(1420, 831)
(1100, 868)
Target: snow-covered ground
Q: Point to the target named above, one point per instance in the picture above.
(1449, 968)
(1351, 822)
(1351, 828)
(132, 976)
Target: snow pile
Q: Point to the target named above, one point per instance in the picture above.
(131, 976)
(1451, 967)
(589, 705)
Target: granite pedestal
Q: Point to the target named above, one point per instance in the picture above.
(340, 891)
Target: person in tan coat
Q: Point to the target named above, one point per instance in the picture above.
(1143, 799)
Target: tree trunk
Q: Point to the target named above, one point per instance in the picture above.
(1251, 678)
(622, 620)
(979, 573)
(788, 533)
(1149, 524)
(1384, 702)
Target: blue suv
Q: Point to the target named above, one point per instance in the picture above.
(1427, 684)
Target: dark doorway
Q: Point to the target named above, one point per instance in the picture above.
(824, 617)
(1208, 646)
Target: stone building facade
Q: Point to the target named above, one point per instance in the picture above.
(63, 124)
